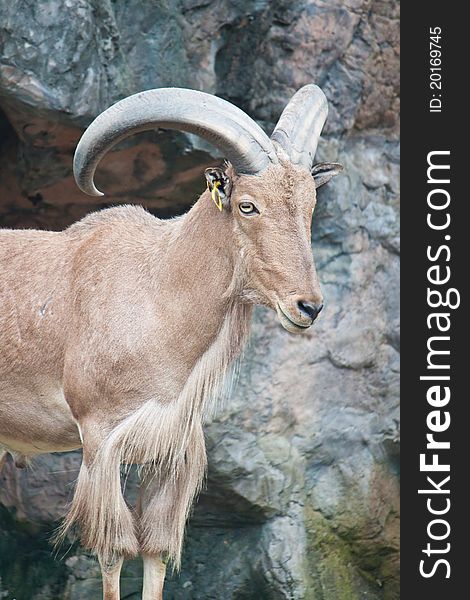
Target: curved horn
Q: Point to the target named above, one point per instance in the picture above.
(222, 124)
(299, 127)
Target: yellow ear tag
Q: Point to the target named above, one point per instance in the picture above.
(215, 194)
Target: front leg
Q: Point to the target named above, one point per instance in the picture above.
(110, 573)
(165, 500)
(154, 567)
(154, 577)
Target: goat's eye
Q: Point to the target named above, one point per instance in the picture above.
(248, 208)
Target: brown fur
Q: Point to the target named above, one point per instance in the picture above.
(125, 326)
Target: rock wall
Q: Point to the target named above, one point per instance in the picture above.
(302, 495)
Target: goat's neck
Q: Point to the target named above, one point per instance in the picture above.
(203, 261)
(207, 252)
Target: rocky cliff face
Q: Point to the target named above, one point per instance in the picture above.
(302, 495)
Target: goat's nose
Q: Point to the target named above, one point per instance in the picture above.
(309, 309)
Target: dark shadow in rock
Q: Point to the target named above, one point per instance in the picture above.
(27, 567)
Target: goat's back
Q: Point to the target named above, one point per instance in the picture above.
(43, 272)
(32, 291)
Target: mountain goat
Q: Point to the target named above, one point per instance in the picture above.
(116, 333)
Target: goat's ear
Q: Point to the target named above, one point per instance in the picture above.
(323, 172)
(218, 180)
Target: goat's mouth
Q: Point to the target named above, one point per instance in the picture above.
(288, 323)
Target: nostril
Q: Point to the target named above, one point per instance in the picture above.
(309, 309)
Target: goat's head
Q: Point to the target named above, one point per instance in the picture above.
(268, 189)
